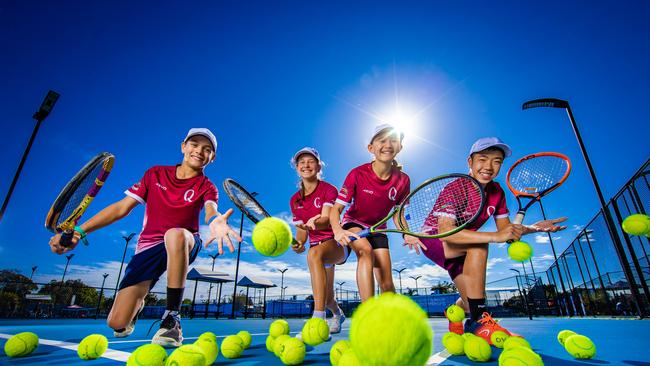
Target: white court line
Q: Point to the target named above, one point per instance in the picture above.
(111, 354)
(438, 358)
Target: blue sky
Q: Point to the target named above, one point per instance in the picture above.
(269, 78)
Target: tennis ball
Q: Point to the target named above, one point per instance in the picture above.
(315, 331)
(278, 344)
(454, 343)
(21, 344)
(580, 347)
(477, 349)
(455, 313)
(520, 356)
(148, 355)
(209, 335)
(390, 329)
(246, 337)
(512, 342)
(271, 237)
(520, 251)
(92, 347)
(232, 346)
(270, 340)
(337, 351)
(209, 346)
(350, 358)
(278, 328)
(468, 335)
(293, 352)
(637, 224)
(564, 334)
(188, 355)
(498, 338)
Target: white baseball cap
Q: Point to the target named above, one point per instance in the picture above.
(306, 150)
(379, 129)
(487, 142)
(205, 133)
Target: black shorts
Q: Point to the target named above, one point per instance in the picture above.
(377, 240)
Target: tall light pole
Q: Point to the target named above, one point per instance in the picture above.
(127, 239)
(609, 221)
(33, 270)
(282, 290)
(43, 112)
(213, 256)
(341, 289)
(399, 273)
(66, 266)
(416, 282)
(101, 294)
(234, 290)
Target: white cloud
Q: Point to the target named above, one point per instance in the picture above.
(544, 239)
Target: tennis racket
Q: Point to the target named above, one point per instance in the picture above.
(535, 176)
(430, 208)
(77, 195)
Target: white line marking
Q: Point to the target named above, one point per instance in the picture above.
(438, 358)
(110, 353)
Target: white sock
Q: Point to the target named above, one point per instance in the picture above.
(319, 314)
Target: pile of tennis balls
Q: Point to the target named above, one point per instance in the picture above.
(516, 350)
(290, 350)
(406, 337)
(577, 345)
(21, 344)
(272, 237)
(637, 224)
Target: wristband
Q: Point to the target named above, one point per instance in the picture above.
(82, 234)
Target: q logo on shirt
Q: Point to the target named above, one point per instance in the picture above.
(189, 194)
(392, 193)
(490, 210)
(317, 202)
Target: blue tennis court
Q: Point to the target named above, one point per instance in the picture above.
(59, 338)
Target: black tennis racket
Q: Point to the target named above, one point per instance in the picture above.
(439, 207)
(77, 195)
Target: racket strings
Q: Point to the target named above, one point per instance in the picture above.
(451, 202)
(86, 185)
(535, 175)
(247, 202)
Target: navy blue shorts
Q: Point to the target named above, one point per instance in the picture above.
(152, 263)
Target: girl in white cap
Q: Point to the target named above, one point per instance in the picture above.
(372, 190)
(310, 207)
(169, 241)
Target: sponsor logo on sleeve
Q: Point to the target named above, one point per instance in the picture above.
(344, 192)
(136, 186)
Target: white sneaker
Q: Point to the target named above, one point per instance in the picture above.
(335, 323)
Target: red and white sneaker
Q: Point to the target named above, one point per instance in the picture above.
(485, 327)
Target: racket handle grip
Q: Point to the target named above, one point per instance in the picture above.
(66, 238)
(362, 234)
(519, 218)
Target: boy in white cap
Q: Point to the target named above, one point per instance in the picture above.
(169, 240)
(464, 255)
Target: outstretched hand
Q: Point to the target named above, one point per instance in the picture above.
(221, 232)
(548, 225)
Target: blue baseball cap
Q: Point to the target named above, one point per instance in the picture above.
(487, 142)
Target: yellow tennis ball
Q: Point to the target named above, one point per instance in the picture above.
(293, 352)
(21, 344)
(637, 224)
(279, 343)
(563, 335)
(208, 335)
(350, 358)
(477, 349)
(270, 340)
(512, 342)
(337, 351)
(454, 343)
(271, 237)
(315, 331)
(580, 346)
(520, 356)
(391, 329)
(498, 338)
(246, 337)
(455, 313)
(188, 355)
(232, 346)
(468, 335)
(209, 346)
(278, 328)
(92, 347)
(520, 251)
(148, 355)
